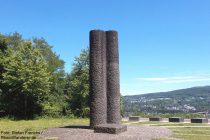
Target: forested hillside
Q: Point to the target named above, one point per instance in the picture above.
(196, 99)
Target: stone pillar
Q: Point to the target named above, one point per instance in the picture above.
(98, 80)
(104, 83)
(113, 86)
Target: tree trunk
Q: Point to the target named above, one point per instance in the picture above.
(25, 106)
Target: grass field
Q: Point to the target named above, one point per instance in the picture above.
(33, 128)
(184, 131)
(39, 124)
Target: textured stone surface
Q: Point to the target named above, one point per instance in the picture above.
(155, 119)
(113, 87)
(140, 132)
(134, 118)
(98, 102)
(176, 119)
(199, 120)
(110, 128)
(104, 82)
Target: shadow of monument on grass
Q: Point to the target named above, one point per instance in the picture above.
(77, 127)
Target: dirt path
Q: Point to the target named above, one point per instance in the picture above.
(84, 133)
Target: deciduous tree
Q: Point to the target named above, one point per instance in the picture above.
(26, 80)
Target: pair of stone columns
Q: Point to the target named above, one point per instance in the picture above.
(104, 78)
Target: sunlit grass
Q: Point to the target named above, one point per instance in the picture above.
(191, 137)
(8, 126)
(39, 124)
(184, 131)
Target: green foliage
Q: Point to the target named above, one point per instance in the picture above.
(33, 81)
(77, 85)
(3, 43)
(25, 80)
(56, 102)
(52, 103)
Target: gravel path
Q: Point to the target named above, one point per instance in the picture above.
(83, 133)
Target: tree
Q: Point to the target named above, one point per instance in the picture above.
(3, 48)
(3, 43)
(26, 80)
(77, 85)
(56, 101)
(12, 41)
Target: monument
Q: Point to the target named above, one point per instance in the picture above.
(98, 104)
(104, 82)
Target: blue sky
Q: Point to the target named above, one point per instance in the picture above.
(164, 44)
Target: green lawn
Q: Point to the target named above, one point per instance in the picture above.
(192, 133)
(33, 128)
(181, 130)
(39, 124)
(184, 131)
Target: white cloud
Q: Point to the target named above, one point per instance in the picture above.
(153, 79)
(177, 79)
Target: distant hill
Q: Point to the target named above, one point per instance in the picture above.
(190, 100)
